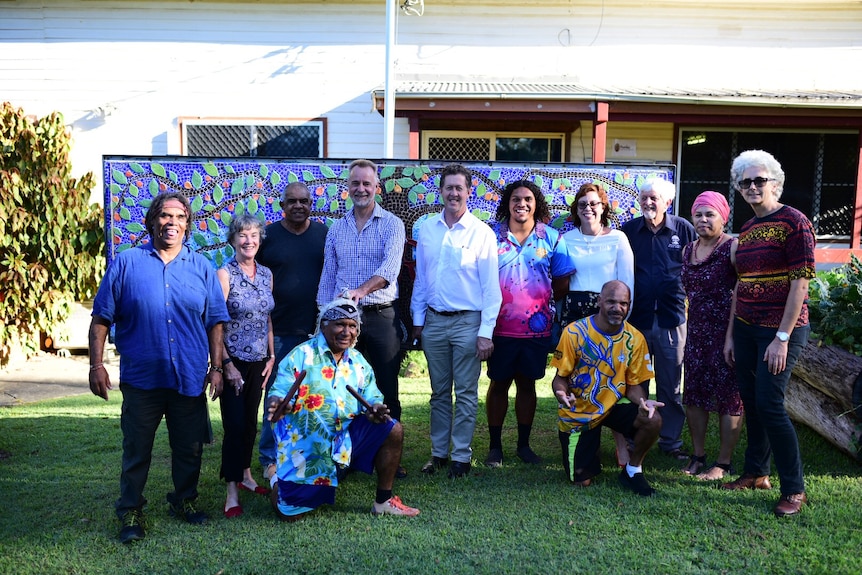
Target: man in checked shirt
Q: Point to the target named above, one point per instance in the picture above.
(362, 259)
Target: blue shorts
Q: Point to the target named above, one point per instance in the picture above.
(367, 438)
(527, 356)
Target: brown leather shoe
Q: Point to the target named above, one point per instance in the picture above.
(790, 504)
(748, 481)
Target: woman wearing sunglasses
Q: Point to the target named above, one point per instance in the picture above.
(774, 262)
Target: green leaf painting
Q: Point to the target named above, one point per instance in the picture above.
(327, 172)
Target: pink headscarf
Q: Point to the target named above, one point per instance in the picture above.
(712, 200)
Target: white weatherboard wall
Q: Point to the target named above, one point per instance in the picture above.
(148, 68)
(147, 64)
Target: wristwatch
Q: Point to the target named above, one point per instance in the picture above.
(782, 336)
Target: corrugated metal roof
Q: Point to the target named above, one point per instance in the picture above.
(567, 91)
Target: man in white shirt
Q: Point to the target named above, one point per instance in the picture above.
(456, 299)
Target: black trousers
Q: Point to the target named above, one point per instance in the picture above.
(380, 343)
(239, 419)
(141, 415)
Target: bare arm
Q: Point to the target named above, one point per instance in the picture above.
(216, 345)
(560, 387)
(776, 352)
(270, 363)
(729, 358)
(646, 407)
(100, 382)
(560, 286)
(369, 286)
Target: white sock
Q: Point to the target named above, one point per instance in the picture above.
(631, 469)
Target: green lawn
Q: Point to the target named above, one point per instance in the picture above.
(59, 485)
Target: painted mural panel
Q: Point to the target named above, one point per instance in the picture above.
(220, 189)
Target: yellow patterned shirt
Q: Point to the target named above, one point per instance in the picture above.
(598, 367)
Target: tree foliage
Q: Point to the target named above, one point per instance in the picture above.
(834, 306)
(50, 235)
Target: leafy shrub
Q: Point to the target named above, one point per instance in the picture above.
(835, 306)
(50, 235)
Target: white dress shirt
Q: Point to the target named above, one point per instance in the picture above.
(456, 270)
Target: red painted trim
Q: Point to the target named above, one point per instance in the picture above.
(413, 139)
(857, 204)
(600, 132)
(835, 256)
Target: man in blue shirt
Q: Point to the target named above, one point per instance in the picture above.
(168, 307)
(658, 310)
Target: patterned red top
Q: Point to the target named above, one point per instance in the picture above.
(773, 251)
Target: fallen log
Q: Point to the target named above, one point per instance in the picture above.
(821, 394)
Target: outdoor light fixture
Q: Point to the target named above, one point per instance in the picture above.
(413, 7)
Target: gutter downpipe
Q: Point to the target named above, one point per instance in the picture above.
(389, 83)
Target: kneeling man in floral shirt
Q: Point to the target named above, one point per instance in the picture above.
(319, 425)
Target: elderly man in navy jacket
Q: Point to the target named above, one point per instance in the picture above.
(657, 239)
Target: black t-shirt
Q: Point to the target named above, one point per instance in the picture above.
(296, 262)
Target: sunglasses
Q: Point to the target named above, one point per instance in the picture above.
(585, 205)
(759, 182)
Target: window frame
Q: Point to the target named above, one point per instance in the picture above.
(734, 199)
(493, 136)
(185, 122)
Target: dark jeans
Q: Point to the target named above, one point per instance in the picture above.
(769, 429)
(239, 420)
(283, 345)
(380, 343)
(141, 415)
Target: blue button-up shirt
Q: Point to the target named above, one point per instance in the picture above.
(162, 313)
(658, 265)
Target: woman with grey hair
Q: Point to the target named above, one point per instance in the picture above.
(769, 325)
(248, 363)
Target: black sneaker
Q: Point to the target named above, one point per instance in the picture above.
(527, 455)
(638, 483)
(495, 458)
(133, 526)
(187, 512)
(434, 464)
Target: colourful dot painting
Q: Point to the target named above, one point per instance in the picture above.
(220, 190)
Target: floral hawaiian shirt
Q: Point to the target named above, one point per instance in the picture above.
(315, 435)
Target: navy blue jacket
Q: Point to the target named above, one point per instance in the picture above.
(658, 266)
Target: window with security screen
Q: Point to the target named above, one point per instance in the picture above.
(219, 138)
(820, 170)
(484, 146)
(460, 149)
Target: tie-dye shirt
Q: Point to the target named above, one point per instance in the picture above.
(598, 367)
(314, 436)
(525, 280)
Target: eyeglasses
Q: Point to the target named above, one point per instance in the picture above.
(585, 205)
(759, 182)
